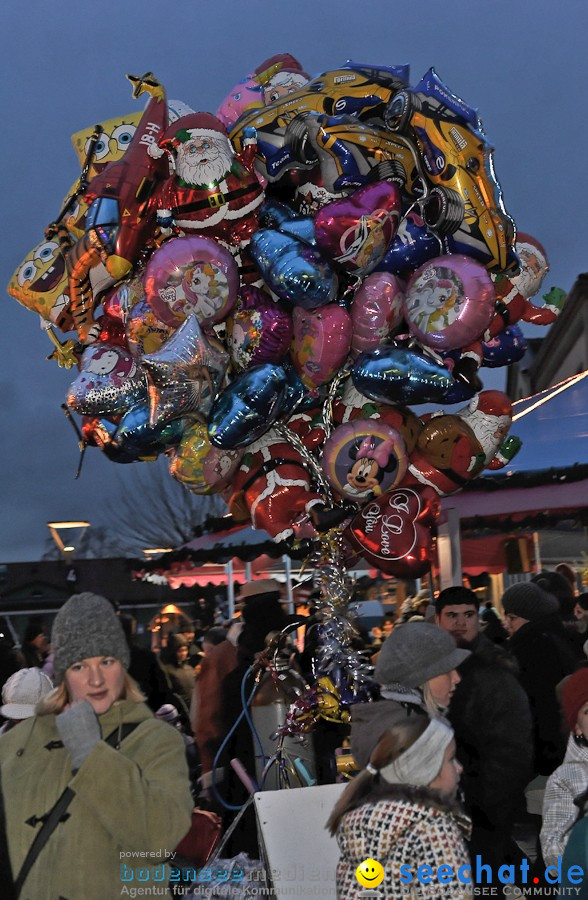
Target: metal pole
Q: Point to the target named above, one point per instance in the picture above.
(230, 588)
(537, 549)
(288, 569)
(449, 550)
(248, 572)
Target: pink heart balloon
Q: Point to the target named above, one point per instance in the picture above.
(377, 310)
(259, 329)
(322, 338)
(356, 231)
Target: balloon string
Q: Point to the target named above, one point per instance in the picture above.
(327, 417)
(553, 392)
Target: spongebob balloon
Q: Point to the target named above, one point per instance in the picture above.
(40, 284)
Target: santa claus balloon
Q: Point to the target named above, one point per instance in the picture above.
(212, 191)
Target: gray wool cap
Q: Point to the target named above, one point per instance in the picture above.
(529, 601)
(415, 652)
(86, 626)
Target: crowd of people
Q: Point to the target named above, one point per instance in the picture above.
(475, 733)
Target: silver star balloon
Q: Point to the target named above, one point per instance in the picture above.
(185, 374)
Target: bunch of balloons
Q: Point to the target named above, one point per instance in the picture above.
(263, 294)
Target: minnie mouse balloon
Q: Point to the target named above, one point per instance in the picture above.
(110, 382)
(364, 459)
(259, 330)
(191, 275)
(322, 338)
(356, 231)
(449, 302)
(393, 532)
(376, 311)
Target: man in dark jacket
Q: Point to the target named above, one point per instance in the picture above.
(544, 657)
(490, 715)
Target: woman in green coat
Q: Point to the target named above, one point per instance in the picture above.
(95, 790)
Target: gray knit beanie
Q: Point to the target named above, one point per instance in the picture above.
(415, 652)
(529, 601)
(86, 626)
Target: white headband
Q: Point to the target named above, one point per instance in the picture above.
(422, 762)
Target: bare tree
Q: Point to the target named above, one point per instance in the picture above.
(151, 509)
(144, 508)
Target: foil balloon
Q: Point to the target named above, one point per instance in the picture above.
(191, 275)
(258, 330)
(376, 312)
(144, 332)
(293, 270)
(136, 435)
(110, 381)
(449, 302)
(413, 245)
(400, 375)
(356, 231)
(465, 203)
(357, 90)
(452, 449)
(322, 338)
(248, 407)
(185, 374)
(276, 77)
(393, 532)
(364, 459)
(40, 283)
(534, 265)
(351, 405)
(281, 217)
(120, 300)
(311, 194)
(201, 467)
(508, 347)
(275, 484)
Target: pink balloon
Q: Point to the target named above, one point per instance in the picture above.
(259, 329)
(356, 231)
(322, 338)
(449, 302)
(377, 310)
(191, 275)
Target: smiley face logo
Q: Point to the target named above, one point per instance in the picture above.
(370, 873)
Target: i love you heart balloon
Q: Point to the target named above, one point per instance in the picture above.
(393, 533)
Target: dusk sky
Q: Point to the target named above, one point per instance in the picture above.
(522, 63)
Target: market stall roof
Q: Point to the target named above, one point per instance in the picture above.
(548, 480)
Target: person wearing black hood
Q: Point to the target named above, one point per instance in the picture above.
(532, 618)
(490, 715)
(262, 614)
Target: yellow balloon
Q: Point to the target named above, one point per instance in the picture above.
(40, 283)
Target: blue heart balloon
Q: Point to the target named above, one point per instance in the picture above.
(293, 270)
(413, 245)
(135, 433)
(506, 348)
(248, 407)
(400, 375)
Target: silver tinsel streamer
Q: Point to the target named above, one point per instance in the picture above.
(336, 658)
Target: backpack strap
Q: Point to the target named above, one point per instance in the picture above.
(59, 812)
